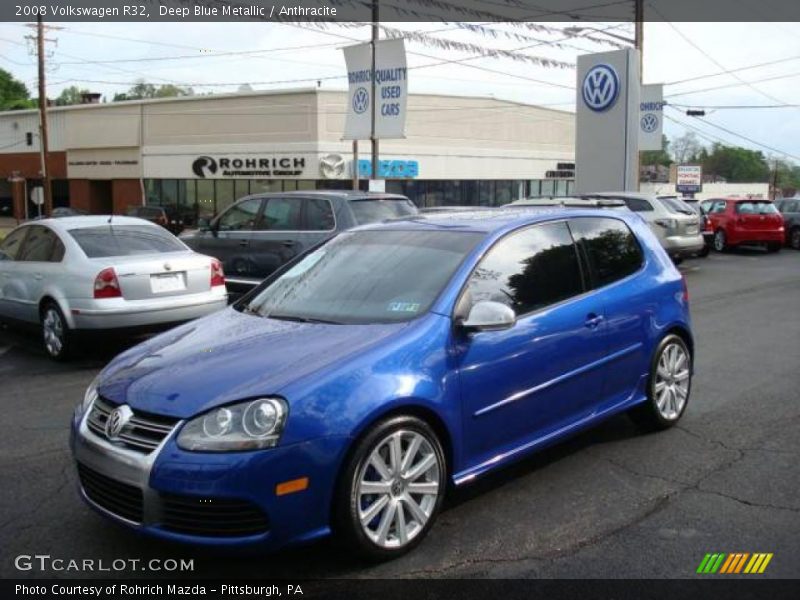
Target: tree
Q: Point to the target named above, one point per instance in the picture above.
(14, 95)
(736, 164)
(142, 90)
(658, 157)
(71, 95)
(686, 147)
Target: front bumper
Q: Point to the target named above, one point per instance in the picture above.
(248, 478)
(683, 245)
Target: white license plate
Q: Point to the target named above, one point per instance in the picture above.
(691, 230)
(167, 282)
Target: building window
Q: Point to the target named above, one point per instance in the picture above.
(263, 186)
(205, 198)
(241, 188)
(224, 196)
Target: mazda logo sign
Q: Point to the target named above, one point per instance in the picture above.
(600, 88)
(332, 166)
(117, 419)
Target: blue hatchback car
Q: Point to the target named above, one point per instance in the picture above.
(350, 390)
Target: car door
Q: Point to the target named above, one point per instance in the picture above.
(528, 381)
(626, 299)
(278, 234)
(230, 239)
(40, 260)
(11, 285)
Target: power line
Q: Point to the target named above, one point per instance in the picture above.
(731, 85)
(735, 106)
(737, 70)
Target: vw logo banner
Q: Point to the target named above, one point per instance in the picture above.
(651, 110)
(600, 88)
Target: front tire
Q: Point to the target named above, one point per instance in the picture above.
(720, 241)
(56, 335)
(391, 489)
(668, 386)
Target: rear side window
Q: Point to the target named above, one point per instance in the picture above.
(610, 247)
(756, 208)
(280, 214)
(373, 210)
(40, 245)
(125, 240)
(639, 205)
(529, 269)
(319, 215)
(11, 245)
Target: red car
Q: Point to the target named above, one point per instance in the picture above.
(745, 221)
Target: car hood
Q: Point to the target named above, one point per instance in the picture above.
(230, 356)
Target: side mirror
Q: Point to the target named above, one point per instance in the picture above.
(489, 316)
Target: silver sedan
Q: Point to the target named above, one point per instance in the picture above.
(102, 273)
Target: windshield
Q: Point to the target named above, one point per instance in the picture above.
(676, 205)
(366, 277)
(125, 240)
(373, 210)
(756, 208)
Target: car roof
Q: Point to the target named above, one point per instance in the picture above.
(79, 222)
(488, 220)
(342, 194)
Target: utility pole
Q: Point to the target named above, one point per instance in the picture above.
(43, 140)
(639, 44)
(375, 35)
(355, 165)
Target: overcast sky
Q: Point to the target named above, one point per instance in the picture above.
(672, 53)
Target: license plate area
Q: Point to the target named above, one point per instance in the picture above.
(692, 230)
(161, 283)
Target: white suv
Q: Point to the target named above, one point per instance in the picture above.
(676, 224)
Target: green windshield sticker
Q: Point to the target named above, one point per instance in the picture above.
(408, 307)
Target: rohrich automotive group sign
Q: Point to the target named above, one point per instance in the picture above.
(248, 166)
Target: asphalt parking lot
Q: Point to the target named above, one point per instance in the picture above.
(609, 503)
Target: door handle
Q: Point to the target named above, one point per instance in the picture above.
(289, 243)
(593, 320)
(244, 243)
(37, 276)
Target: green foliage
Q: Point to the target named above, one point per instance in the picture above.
(143, 90)
(14, 95)
(658, 157)
(735, 164)
(71, 95)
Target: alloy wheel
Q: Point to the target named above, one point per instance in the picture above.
(398, 486)
(671, 385)
(719, 241)
(53, 331)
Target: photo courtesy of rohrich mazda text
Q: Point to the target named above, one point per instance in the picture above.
(377, 298)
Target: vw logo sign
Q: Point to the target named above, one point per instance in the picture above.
(600, 88)
(117, 419)
(649, 122)
(332, 166)
(360, 100)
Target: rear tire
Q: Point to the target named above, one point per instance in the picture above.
(720, 241)
(56, 334)
(794, 238)
(668, 386)
(384, 511)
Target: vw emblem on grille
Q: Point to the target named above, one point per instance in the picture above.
(649, 123)
(600, 88)
(167, 267)
(117, 419)
(360, 100)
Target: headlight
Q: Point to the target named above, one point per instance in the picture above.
(89, 397)
(244, 426)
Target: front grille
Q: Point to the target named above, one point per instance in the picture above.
(116, 497)
(143, 432)
(211, 516)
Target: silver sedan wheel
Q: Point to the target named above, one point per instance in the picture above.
(671, 386)
(53, 331)
(397, 488)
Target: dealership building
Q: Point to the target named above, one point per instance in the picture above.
(201, 153)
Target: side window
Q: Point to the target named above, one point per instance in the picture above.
(639, 205)
(58, 250)
(280, 214)
(529, 269)
(11, 245)
(38, 245)
(241, 216)
(718, 207)
(611, 249)
(319, 215)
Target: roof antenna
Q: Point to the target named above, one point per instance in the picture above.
(111, 216)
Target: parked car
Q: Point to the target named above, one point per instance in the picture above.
(354, 386)
(790, 209)
(705, 225)
(70, 276)
(448, 209)
(678, 229)
(571, 202)
(67, 211)
(258, 234)
(746, 221)
(168, 217)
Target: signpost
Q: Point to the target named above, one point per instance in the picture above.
(607, 122)
(689, 179)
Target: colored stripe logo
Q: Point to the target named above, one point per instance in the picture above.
(734, 563)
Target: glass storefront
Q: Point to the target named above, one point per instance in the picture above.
(204, 198)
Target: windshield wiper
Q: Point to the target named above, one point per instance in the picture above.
(299, 319)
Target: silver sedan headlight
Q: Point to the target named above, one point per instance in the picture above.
(88, 398)
(244, 426)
